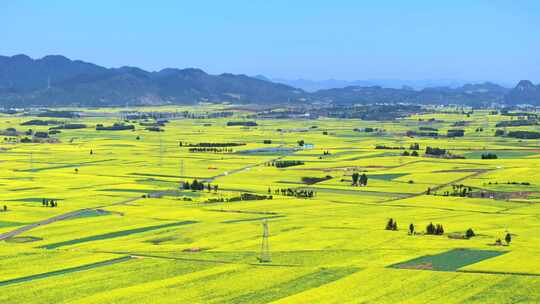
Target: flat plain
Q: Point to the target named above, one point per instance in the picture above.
(125, 227)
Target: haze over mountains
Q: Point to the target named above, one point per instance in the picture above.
(309, 85)
(58, 81)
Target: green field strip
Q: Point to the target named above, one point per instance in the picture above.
(115, 234)
(91, 213)
(450, 260)
(252, 219)
(286, 289)
(65, 271)
(388, 176)
(10, 224)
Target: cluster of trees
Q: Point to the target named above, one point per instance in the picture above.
(435, 151)
(479, 129)
(211, 145)
(326, 152)
(359, 180)
(457, 190)
(285, 163)
(414, 146)
(300, 193)
(434, 229)
(489, 156)
(391, 225)
(428, 129)
(199, 186)
(242, 123)
(507, 239)
(383, 147)
(117, 126)
(512, 183)
(455, 133)
(250, 197)
(267, 141)
(413, 153)
(367, 129)
(210, 150)
(49, 203)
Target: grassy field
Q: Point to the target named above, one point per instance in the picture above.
(125, 230)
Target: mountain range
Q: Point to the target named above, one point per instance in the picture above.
(58, 81)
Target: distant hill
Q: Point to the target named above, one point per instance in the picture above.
(469, 94)
(316, 85)
(525, 92)
(58, 81)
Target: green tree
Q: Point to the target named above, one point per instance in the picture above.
(411, 229)
(470, 233)
(508, 239)
(390, 224)
(363, 179)
(355, 177)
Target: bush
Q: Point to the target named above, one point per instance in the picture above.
(489, 156)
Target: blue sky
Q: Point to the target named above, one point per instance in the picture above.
(471, 40)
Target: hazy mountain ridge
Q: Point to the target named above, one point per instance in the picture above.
(316, 85)
(56, 80)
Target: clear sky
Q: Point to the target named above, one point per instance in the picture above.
(407, 39)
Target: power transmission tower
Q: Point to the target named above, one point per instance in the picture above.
(265, 248)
